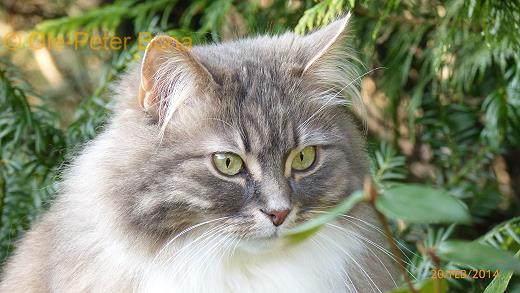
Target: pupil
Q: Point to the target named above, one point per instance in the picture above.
(301, 156)
(228, 161)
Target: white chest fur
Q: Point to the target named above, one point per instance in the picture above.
(321, 264)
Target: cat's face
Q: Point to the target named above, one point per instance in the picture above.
(259, 141)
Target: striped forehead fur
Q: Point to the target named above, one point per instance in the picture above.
(336, 73)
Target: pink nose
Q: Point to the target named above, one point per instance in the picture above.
(277, 217)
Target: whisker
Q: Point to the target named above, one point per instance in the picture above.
(306, 122)
(383, 233)
(240, 238)
(186, 231)
(221, 243)
(379, 259)
(203, 239)
(189, 270)
(167, 245)
(229, 246)
(379, 230)
(384, 250)
(182, 267)
(347, 277)
(371, 281)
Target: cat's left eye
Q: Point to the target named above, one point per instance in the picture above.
(227, 163)
(304, 159)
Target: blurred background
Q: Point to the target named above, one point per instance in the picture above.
(443, 107)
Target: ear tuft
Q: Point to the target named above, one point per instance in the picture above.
(169, 75)
(332, 64)
(156, 50)
(326, 40)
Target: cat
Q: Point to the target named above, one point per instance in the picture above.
(210, 155)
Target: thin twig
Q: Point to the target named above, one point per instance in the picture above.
(436, 265)
(371, 194)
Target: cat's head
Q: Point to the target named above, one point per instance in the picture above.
(252, 134)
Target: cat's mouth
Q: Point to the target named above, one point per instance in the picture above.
(262, 244)
(257, 232)
(267, 238)
(273, 236)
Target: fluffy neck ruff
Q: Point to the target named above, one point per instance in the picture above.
(331, 261)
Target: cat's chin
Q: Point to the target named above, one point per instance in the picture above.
(261, 244)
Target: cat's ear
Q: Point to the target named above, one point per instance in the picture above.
(331, 65)
(169, 74)
(325, 44)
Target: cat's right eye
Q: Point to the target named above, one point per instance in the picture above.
(228, 163)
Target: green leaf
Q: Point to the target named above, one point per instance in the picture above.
(307, 229)
(500, 282)
(322, 13)
(427, 286)
(505, 235)
(421, 204)
(478, 255)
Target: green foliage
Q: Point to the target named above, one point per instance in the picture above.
(451, 111)
(505, 236)
(420, 204)
(322, 13)
(307, 229)
(30, 144)
(478, 255)
(109, 17)
(499, 283)
(428, 286)
(387, 165)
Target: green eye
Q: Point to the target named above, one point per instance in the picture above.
(304, 159)
(227, 163)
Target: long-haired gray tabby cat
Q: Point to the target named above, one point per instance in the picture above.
(211, 154)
